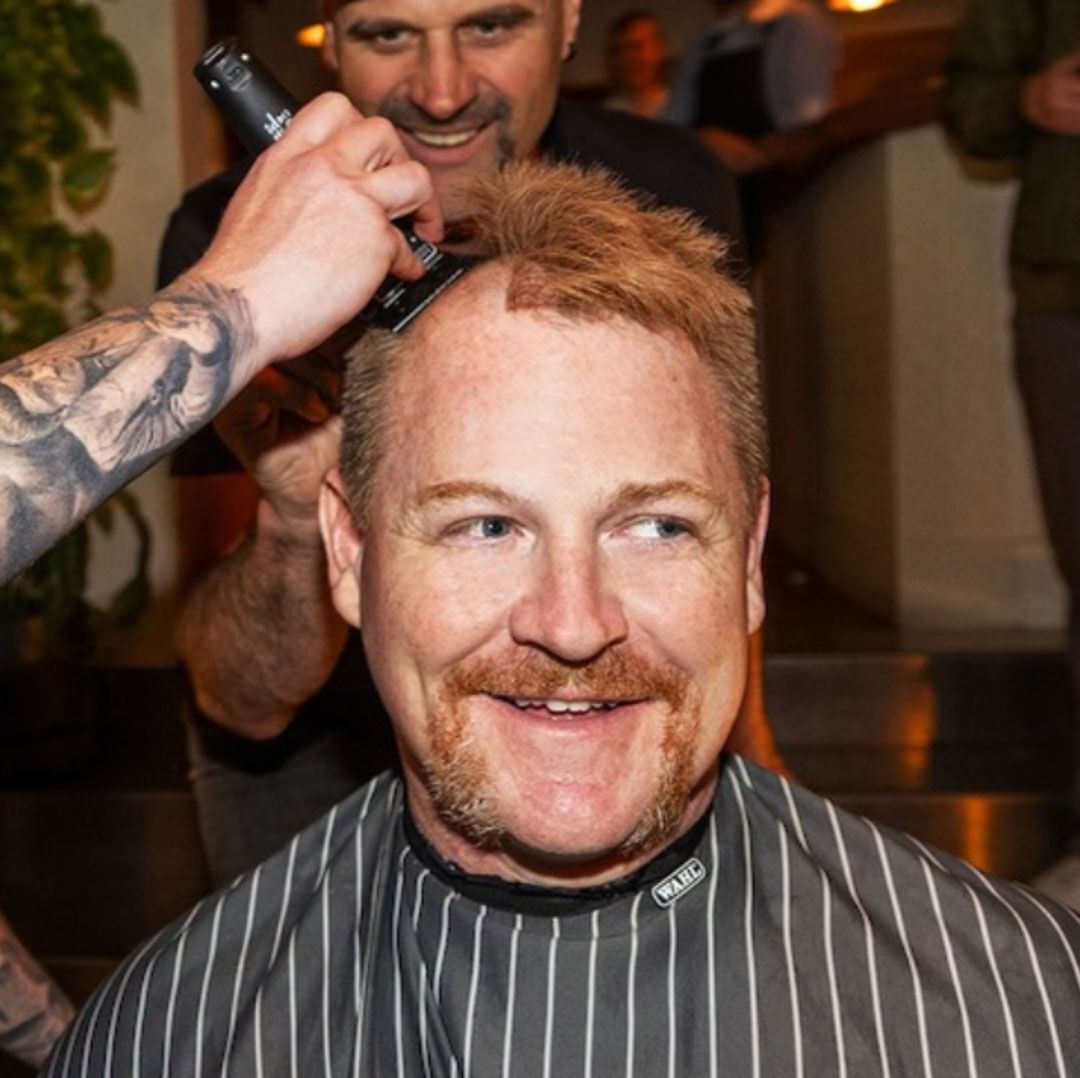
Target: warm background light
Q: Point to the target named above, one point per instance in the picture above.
(857, 5)
(311, 37)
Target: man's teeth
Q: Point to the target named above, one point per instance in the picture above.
(559, 707)
(444, 138)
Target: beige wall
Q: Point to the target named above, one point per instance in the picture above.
(902, 469)
(162, 37)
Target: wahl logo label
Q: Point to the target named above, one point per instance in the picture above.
(678, 883)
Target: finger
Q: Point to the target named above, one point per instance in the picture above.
(372, 148)
(407, 188)
(319, 121)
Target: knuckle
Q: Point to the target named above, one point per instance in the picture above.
(381, 127)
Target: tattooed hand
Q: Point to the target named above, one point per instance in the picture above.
(304, 245)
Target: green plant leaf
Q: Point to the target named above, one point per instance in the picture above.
(32, 176)
(66, 133)
(59, 75)
(131, 600)
(96, 255)
(104, 517)
(116, 69)
(85, 176)
(36, 322)
(57, 582)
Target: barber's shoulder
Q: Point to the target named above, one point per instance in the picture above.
(585, 131)
(652, 156)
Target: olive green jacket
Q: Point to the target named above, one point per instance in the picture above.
(1000, 43)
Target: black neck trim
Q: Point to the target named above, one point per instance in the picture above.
(517, 897)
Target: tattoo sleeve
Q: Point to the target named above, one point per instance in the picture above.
(33, 1011)
(86, 413)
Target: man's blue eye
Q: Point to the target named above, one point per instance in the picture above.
(658, 528)
(494, 527)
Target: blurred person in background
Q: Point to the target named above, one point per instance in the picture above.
(637, 64)
(763, 67)
(1014, 92)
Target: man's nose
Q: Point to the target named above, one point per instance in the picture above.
(444, 82)
(569, 610)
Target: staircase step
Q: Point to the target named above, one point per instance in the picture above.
(918, 700)
(1006, 834)
(941, 766)
(91, 873)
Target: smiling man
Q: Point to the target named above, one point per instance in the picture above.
(548, 521)
(469, 86)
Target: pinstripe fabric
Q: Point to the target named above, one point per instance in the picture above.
(815, 944)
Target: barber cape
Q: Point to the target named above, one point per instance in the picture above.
(794, 939)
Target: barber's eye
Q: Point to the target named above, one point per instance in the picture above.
(384, 38)
(495, 28)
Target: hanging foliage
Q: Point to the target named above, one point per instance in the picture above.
(60, 76)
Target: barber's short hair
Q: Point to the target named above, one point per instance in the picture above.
(575, 242)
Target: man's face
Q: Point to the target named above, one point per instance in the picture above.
(555, 586)
(470, 84)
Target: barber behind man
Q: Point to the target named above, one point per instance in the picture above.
(286, 727)
(306, 241)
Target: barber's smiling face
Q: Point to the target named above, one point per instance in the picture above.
(555, 585)
(468, 83)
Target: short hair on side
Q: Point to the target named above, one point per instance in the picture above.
(579, 244)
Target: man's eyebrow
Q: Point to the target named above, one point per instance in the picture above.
(458, 489)
(630, 495)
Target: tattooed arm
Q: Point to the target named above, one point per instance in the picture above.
(83, 415)
(304, 244)
(33, 1010)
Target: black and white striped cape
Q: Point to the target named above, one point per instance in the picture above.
(800, 940)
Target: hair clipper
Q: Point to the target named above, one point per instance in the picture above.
(259, 109)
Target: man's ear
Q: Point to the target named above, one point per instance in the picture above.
(571, 18)
(328, 50)
(344, 544)
(755, 547)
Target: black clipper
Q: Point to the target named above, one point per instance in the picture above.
(258, 109)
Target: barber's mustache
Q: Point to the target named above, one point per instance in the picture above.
(480, 112)
(619, 674)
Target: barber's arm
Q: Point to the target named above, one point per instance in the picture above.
(303, 246)
(257, 631)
